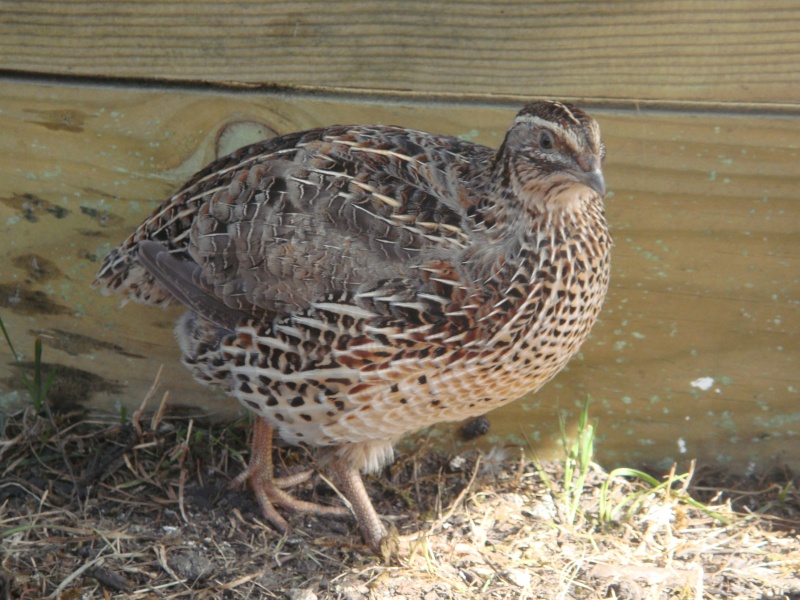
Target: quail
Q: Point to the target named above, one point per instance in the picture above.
(352, 284)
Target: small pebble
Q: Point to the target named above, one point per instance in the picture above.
(475, 428)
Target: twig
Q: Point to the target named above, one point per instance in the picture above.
(161, 556)
(156, 420)
(342, 497)
(59, 440)
(75, 574)
(135, 416)
(451, 511)
(181, 485)
(463, 492)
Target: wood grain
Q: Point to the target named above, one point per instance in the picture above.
(687, 50)
(705, 279)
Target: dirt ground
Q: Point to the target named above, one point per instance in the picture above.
(94, 509)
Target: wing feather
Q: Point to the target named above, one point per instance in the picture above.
(278, 225)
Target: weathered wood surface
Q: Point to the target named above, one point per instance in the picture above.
(688, 50)
(705, 212)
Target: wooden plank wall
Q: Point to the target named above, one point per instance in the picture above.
(104, 111)
(687, 50)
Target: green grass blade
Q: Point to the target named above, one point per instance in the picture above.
(36, 389)
(37, 373)
(26, 382)
(8, 340)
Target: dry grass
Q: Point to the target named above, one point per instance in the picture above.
(91, 509)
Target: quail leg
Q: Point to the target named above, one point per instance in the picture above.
(352, 486)
(268, 489)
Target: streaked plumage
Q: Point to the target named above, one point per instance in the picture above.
(352, 284)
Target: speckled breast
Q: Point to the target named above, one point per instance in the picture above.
(328, 375)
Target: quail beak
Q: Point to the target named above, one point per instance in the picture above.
(590, 174)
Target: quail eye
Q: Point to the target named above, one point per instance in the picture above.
(546, 141)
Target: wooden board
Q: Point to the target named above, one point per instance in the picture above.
(697, 351)
(687, 50)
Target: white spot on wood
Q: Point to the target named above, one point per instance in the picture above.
(703, 383)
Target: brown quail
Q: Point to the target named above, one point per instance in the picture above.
(352, 284)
